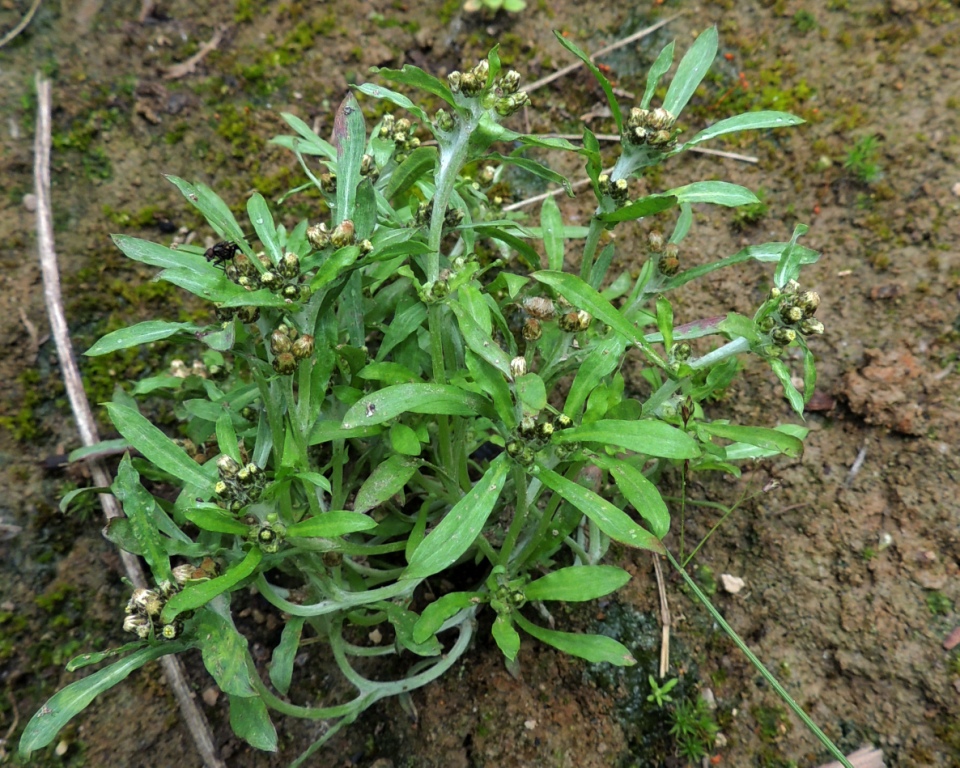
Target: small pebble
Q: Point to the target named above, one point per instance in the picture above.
(30, 202)
(953, 640)
(731, 584)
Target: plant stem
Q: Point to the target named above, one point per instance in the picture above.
(519, 514)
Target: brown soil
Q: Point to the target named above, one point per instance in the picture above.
(851, 577)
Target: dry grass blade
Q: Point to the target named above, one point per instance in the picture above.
(865, 757)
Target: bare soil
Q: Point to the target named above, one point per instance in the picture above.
(851, 566)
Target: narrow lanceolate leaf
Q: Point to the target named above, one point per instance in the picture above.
(380, 92)
(438, 399)
(480, 341)
(263, 225)
(217, 520)
(416, 77)
(716, 192)
(329, 524)
(140, 508)
(577, 583)
(593, 648)
(788, 268)
(506, 637)
(792, 394)
(690, 72)
(419, 163)
(214, 210)
(59, 709)
(157, 447)
(639, 492)
(551, 224)
(658, 69)
(250, 720)
(645, 206)
(225, 653)
(156, 255)
(460, 527)
(440, 610)
(742, 451)
(281, 665)
(612, 521)
(603, 358)
(600, 78)
(312, 144)
(770, 439)
(751, 121)
(201, 593)
(141, 333)
(648, 436)
(350, 139)
(387, 479)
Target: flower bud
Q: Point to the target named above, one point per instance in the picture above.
(443, 121)
(545, 430)
(791, 313)
(514, 449)
(808, 301)
(564, 421)
(280, 343)
(328, 183)
(482, 71)
(518, 367)
(540, 307)
(138, 625)
(660, 119)
(342, 236)
(227, 466)
(184, 573)
(454, 80)
(171, 631)
(303, 347)
(291, 292)
(220, 488)
(285, 364)
(289, 266)
(766, 325)
(783, 336)
(248, 314)
(368, 166)
(318, 236)
(510, 82)
(532, 330)
(669, 262)
(270, 280)
(655, 241)
(811, 326)
(681, 352)
(469, 85)
(527, 428)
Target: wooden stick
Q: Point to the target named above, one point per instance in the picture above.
(194, 718)
(21, 25)
(664, 617)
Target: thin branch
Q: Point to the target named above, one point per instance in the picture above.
(612, 47)
(187, 67)
(194, 718)
(22, 25)
(614, 137)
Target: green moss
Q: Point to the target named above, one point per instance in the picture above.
(804, 21)
(24, 425)
(772, 722)
(939, 604)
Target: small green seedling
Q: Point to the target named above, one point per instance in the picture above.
(661, 695)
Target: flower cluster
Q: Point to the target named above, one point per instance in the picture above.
(400, 132)
(666, 254)
(650, 126)
(238, 486)
(533, 435)
(143, 613)
(794, 315)
(344, 234)
(504, 97)
(289, 347)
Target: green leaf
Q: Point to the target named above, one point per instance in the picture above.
(603, 358)
(380, 92)
(281, 665)
(141, 333)
(684, 220)
(639, 492)
(691, 70)
(577, 583)
(217, 520)
(88, 659)
(440, 610)
(793, 396)
(766, 252)
(743, 451)
(481, 342)
(416, 77)
(749, 121)
(647, 436)
(739, 325)
(665, 321)
(201, 593)
(533, 167)
(419, 163)
(593, 648)
(506, 637)
(224, 652)
(809, 374)
(63, 705)
(716, 192)
(214, 210)
(612, 521)
(326, 525)
(312, 144)
(157, 447)
(658, 69)
(529, 257)
(139, 507)
(531, 392)
(460, 527)
(387, 479)
(206, 282)
(409, 316)
(495, 385)
(156, 255)
(552, 224)
(403, 622)
(314, 479)
(437, 399)
(250, 720)
(600, 77)
(350, 139)
(263, 225)
(227, 436)
(770, 439)
(788, 268)
(338, 263)
(638, 209)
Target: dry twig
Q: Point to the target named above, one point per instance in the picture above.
(21, 25)
(866, 757)
(187, 67)
(664, 617)
(173, 670)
